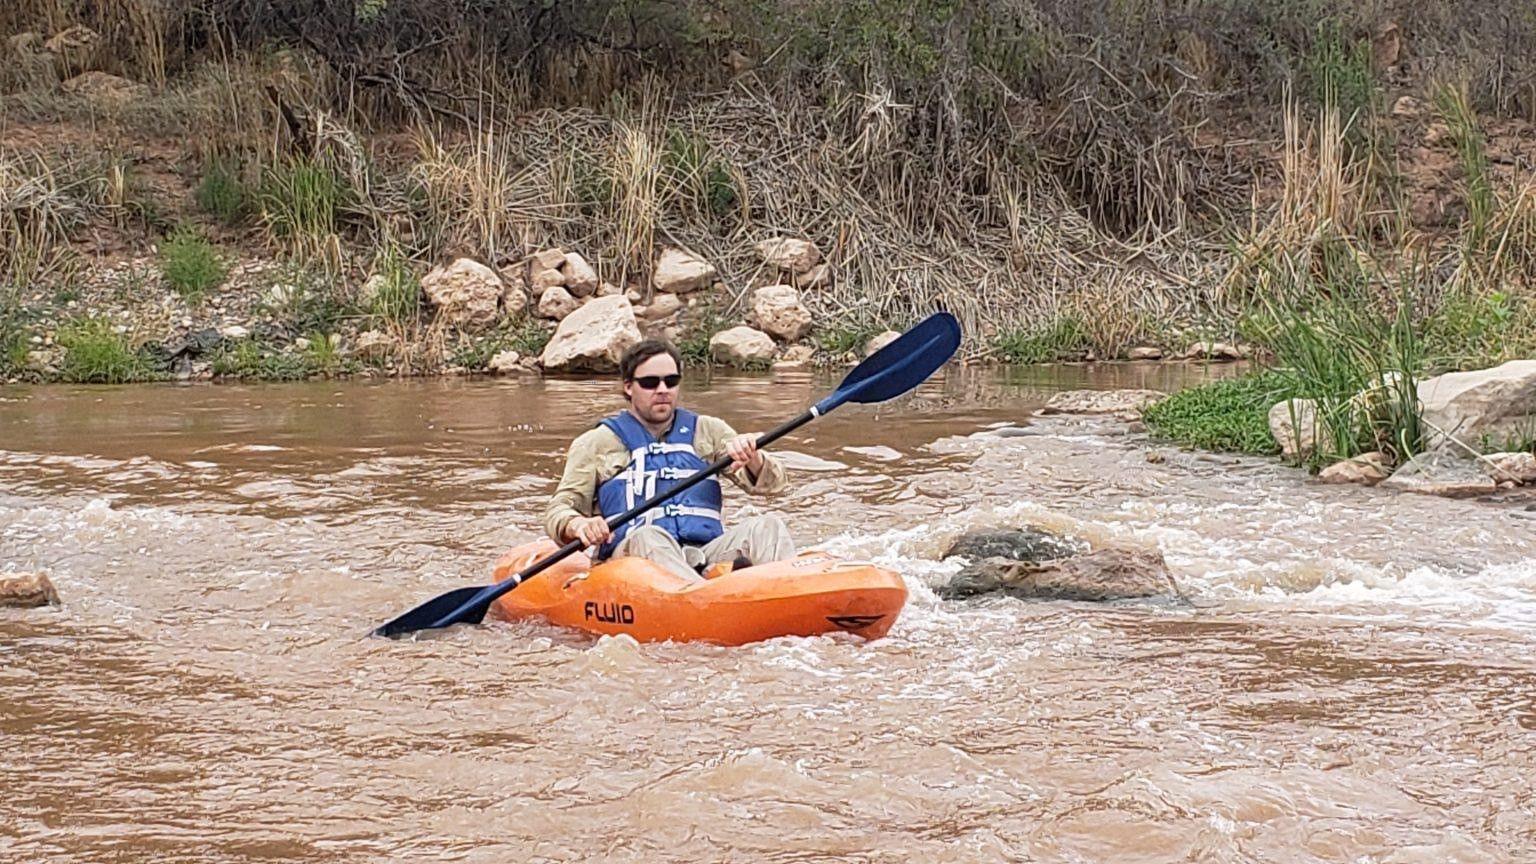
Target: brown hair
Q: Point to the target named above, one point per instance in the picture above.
(644, 350)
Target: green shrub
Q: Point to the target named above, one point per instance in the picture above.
(1062, 339)
(1231, 415)
(191, 265)
(95, 353)
(220, 193)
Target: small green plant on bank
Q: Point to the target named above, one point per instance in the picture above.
(1062, 339)
(840, 341)
(527, 338)
(693, 345)
(323, 354)
(191, 265)
(1229, 416)
(221, 194)
(256, 360)
(95, 353)
(397, 291)
(13, 339)
(305, 299)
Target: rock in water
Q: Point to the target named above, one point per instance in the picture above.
(1367, 469)
(26, 591)
(1023, 544)
(1442, 473)
(1036, 563)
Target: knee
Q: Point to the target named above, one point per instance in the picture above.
(768, 522)
(644, 538)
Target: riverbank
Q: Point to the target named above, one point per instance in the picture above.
(276, 209)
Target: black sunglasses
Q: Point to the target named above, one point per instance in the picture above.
(650, 382)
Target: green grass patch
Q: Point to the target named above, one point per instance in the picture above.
(305, 300)
(1228, 416)
(191, 265)
(302, 202)
(1064, 338)
(838, 341)
(254, 360)
(397, 291)
(13, 343)
(221, 194)
(95, 353)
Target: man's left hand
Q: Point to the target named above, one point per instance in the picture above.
(743, 450)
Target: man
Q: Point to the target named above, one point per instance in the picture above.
(653, 445)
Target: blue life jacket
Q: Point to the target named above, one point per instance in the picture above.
(692, 517)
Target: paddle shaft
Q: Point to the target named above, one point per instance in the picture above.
(485, 598)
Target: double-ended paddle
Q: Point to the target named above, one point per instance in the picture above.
(885, 374)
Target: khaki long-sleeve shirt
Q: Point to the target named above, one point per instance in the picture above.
(598, 454)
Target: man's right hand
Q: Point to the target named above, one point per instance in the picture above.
(591, 530)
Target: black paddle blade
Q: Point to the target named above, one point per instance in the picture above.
(428, 614)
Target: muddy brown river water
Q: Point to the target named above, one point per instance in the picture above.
(1354, 680)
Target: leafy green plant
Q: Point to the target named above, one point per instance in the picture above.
(1231, 415)
(95, 353)
(1455, 108)
(191, 265)
(221, 193)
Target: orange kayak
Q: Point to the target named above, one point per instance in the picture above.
(807, 596)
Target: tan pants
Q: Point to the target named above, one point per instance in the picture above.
(759, 539)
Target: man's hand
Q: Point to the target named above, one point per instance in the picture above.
(592, 530)
(743, 450)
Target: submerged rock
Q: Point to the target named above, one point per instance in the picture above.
(26, 591)
(1441, 473)
(1367, 469)
(1031, 562)
(1101, 401)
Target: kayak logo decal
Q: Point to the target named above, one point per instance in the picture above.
(853, 622)
(609, 613)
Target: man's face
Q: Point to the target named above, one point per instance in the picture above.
(653, 404)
